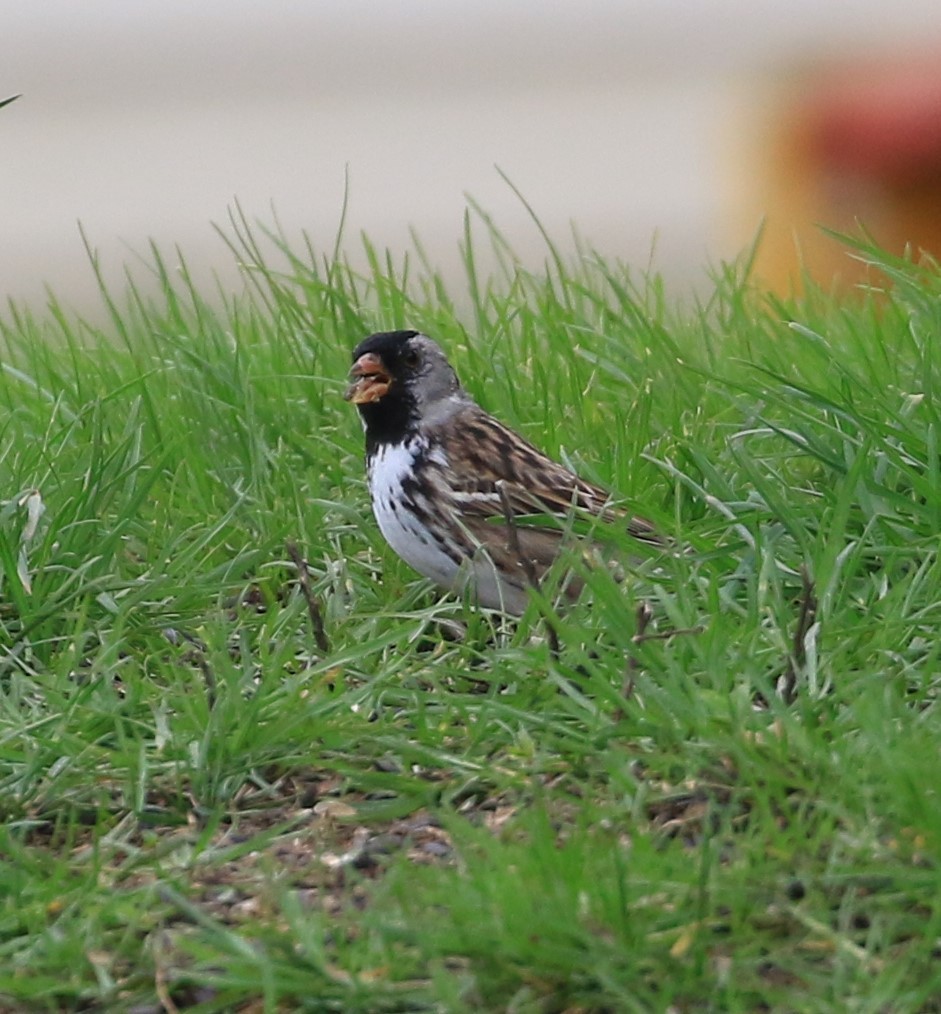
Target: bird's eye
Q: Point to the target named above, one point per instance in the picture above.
(410, 358)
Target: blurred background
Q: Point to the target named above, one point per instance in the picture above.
(666, 130)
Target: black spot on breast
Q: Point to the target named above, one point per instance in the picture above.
(418, 511)
(411, 486)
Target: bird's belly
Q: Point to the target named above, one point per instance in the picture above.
(412, 541)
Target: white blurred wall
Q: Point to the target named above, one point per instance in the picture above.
(147, 120)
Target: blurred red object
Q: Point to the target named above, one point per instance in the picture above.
(853, 145)
(881, 122)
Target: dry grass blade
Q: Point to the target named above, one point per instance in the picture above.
(805, 620)
(513, 543)
(313, 605)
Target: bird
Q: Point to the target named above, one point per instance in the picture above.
(460, 497)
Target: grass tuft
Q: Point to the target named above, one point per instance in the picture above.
(248, 760)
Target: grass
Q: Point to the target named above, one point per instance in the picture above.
(205, 810)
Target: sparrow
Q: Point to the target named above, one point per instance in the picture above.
(458, 496)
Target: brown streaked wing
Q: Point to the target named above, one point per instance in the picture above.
(484, 453)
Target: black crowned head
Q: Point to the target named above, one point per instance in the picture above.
(399, 380)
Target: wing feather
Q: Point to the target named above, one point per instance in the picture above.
(494, 471)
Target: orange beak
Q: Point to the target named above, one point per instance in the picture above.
(371, 382)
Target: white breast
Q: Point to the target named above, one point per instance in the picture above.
(403, 529)
(406, 532)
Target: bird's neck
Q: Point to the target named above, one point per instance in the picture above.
(389, 421)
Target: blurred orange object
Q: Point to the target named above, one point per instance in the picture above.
(857, 145)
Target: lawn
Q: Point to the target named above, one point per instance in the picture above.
(250, 761)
